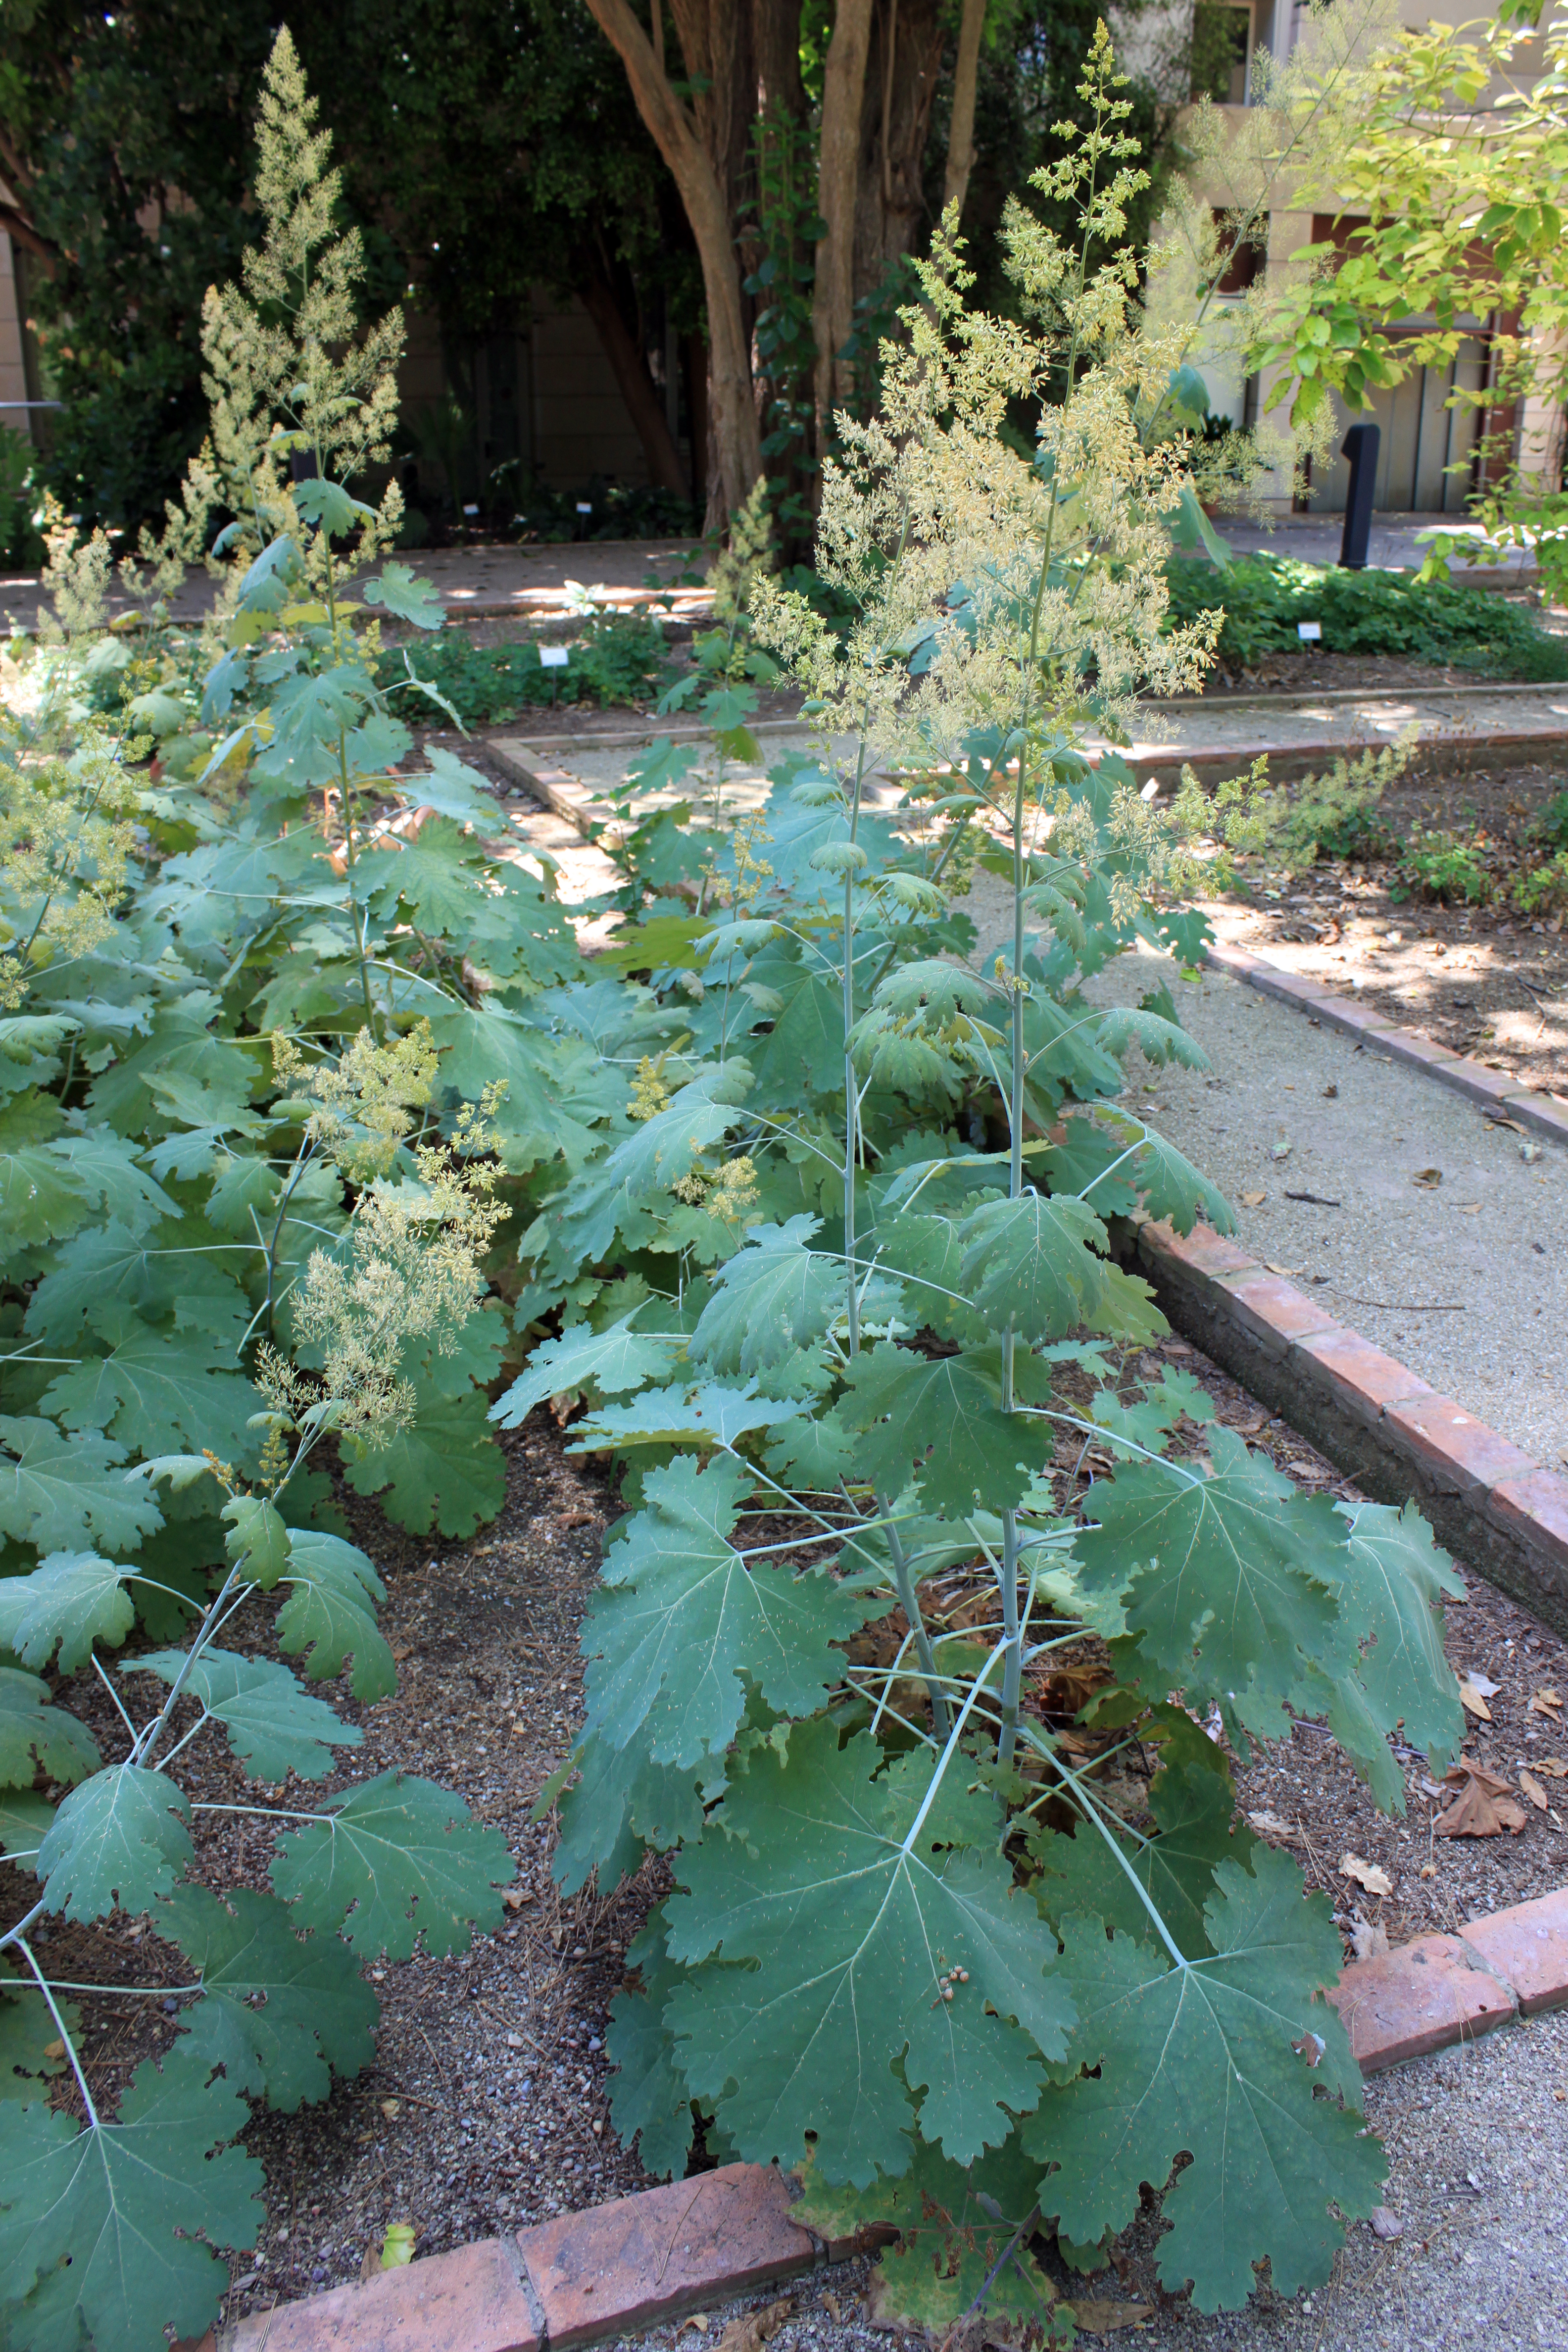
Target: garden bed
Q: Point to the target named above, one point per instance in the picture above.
(486, 2105)
(1487, 979)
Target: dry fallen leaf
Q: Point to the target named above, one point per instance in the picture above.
(830, 2305)
(1428, 1178)
(1271, 1826)
(1547, 1703)
(1468, 1208)
(1553, 1766)
(1253, 1200)
(392, 2109)
(401, 1650)
(1533, 1790)
(1385, 2224)
(514, 1898)
(1368, 1941)
(1472, 1702)
(1483, 1683)
(1286, 1270)
(697, 2319)
(1103, 2319)
(1365, 1873)
(753, 2329)
(1482, 1805)
(1429, 1870)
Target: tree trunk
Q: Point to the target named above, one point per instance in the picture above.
(776, 47)
(900, 86)
(638, 389)
(733, 438)
(965, 82)
(844, 85)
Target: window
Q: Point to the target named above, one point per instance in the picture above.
(1222, 45)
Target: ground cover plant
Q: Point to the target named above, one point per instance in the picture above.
(318, 1130)
(1266, 597)
(618, 660)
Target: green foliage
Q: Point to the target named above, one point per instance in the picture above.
(99, 2227)
(833, 1294)
(817, 1220)
(246, 1203)
(21, 549)
(1264, 597)
(1439, 864)
(1550, 824)
(618, 660)
(1544, 889)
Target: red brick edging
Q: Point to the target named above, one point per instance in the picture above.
(1492, 1089)
(618, 2269)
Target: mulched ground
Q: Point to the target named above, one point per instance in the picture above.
(1484, 981)
(1321, 672)
(486, 2105)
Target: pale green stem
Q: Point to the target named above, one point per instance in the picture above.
(910, 1598)
(1092, 1813)
(26, 1952)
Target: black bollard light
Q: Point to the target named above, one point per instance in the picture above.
(1360, 445)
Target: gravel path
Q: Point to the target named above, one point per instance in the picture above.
(1478, 2148)
(1463, 1278)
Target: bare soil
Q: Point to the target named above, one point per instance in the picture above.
(1486, 981)
(487, 2103)
(1322, 672)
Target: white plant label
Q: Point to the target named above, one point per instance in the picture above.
(554, 656)
(1308, 631)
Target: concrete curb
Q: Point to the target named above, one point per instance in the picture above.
(622, 2268)
(1398, 1438)
(1491, 1089)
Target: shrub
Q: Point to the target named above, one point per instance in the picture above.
(1289, 827)
(619, 659)
(1264, 597)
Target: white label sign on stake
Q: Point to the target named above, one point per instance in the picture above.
(1308, 631)
(554, 656)
(584, 506)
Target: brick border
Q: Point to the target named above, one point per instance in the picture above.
(1371, 1416)
(1491, 1089)
(621, 2268)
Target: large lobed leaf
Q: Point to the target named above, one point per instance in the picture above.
(445, 1470)
(281, 2013)
(1231, 1581)
(70, 1601)
(63, 1494)
(329, 1616)
(1214, 2061)
(685, 1616)
(36, 1737)
(845, 1919)
(117, 1842)
(612, 1360)
(99, 2228)
(1393, 1580)
(274, 1728)
(773, 1296)
(939, 1419)
(395, 1858)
